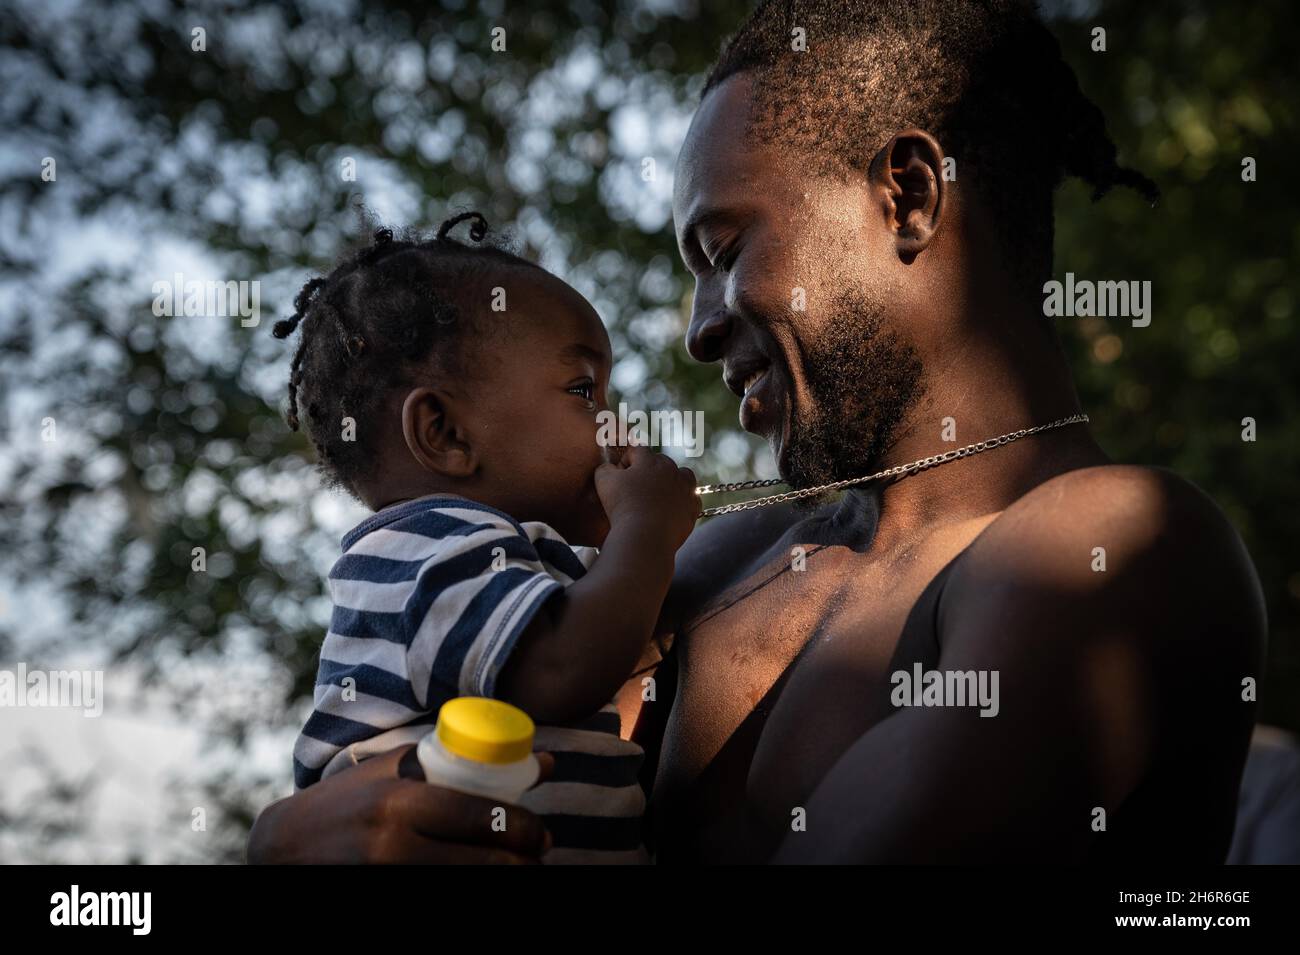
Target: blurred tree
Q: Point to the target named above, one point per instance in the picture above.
(1188, 98)
(233, 160)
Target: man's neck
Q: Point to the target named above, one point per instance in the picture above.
(997, 385)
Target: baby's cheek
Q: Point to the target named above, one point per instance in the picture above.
(603, 446)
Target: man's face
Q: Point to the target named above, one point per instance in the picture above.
(798, 293)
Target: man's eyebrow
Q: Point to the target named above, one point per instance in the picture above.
(578, 351)
(704, 217)
(691, 248)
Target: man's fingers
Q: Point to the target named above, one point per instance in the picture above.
(547, 763)
(388, 764)
(408, 766)
(451, 816)
(411, 851)
(431, 824)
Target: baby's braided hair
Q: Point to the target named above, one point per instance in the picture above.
(384, 312)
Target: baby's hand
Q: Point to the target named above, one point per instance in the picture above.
(649, 487)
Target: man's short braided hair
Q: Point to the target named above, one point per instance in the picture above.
(985, 77)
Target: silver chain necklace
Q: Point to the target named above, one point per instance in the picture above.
(898, 471)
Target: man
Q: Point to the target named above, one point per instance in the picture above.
(871, 309)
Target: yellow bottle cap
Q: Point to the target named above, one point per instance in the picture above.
(485, 730)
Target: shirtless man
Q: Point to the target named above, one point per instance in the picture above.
(864, 305)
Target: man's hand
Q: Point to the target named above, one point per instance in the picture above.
(369, 814)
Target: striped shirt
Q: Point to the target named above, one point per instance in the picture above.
(430, 597)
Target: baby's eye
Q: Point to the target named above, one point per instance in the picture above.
(586, 389)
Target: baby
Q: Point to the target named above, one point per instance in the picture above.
(453, 389)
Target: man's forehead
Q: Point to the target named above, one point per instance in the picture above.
(721, 168)
(716, 150)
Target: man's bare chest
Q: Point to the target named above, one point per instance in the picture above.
(780, 676)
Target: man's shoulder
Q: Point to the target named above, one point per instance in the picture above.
(1134, 507)
(1128, 539)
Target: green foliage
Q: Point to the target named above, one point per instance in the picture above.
(1186, 100)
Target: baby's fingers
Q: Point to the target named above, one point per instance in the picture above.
(638, 455)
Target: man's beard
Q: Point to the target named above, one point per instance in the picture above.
(863, 380)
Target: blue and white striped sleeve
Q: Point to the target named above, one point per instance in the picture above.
(470, 606)
(465, 605)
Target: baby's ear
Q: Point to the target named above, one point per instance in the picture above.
(433, 435)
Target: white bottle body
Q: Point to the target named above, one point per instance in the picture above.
(503, 781)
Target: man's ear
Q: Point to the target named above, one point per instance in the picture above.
(434, 437)
(908, 172)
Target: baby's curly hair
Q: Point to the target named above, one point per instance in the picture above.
(381, 315)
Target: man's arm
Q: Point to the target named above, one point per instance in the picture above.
(1097, 670)
(383, 812)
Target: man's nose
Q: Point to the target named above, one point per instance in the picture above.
(708, 332)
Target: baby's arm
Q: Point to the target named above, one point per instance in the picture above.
(579, 649)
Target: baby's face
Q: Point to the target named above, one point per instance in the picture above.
(537, 381)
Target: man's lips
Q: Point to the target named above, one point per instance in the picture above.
(758, 410)
(740, 376)
(755, 383)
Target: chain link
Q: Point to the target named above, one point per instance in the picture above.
(896, 471)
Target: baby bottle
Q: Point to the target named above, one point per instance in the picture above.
(480, 746)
